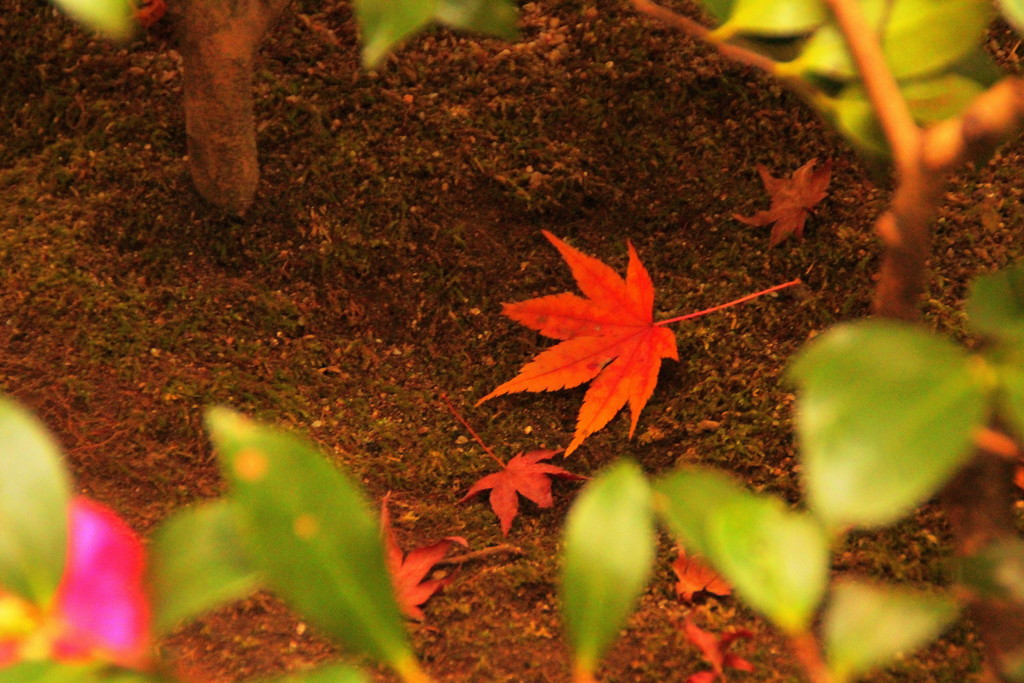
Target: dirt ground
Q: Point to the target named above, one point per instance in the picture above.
(398, 209)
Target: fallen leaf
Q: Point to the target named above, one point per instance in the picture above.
(609, 337)
(696, 577)
(408, 570)
(792, 200)
(714, 649)
(524, 474)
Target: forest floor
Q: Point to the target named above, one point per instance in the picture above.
(398, 209)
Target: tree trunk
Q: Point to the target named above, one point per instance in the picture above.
(218, 42)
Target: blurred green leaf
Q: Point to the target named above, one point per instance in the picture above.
(327, 674)
(825, 53)
(853, 116)
(1013, 12)
(385, 23)
(492, 17)
(930, 99)
(115, 19)
(719, 9)
(776, 559)
(885, 415)
(52, 672)
(309, 531)
(867, 625)
(996, 571)
(1011, 397)
(690, 496)
(34, 496)
(196, 563)
(777, 18)
(926, 36)
(922, 37)
(941, 97)
(609, 549)
(995, 304)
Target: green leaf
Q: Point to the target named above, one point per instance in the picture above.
(309, 531)
(885, 415)
(854, 118)
(926, 36)
(52, 672)
(776, 559)
(196, 563)
(995, 304)
(776, 18)
(385, 23)
(1013, 12)
(115, 19)
(1011, 396)
(930, 99)
(996, 571)
(689, 497)
(825, 53)
(867, 625)
(327, 674)
(941, 97)
(719, 9)
(34, 496)
(921, 37)
(609, 549)
(492, 17)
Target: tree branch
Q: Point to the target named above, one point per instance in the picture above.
(902, 133)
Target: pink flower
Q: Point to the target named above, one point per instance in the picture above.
(100, 610)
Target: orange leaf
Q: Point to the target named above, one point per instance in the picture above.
(408, 570)
(696, 577)
(609, 337)
(523, 475)
(792, 200)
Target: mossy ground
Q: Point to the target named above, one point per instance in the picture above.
(398, 209)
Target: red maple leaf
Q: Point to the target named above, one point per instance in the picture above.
(526, 475)
(695, 577)
(792, 200)
(408, 570)
(610, 335)
(714, 648)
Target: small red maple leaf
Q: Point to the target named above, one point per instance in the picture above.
(408, 570)
(524, 474)
(695, 577)
(792, 200)
(713, 648)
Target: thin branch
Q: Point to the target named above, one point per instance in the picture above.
(997, 443)
(503, 549)
(808, 650)
(991, 119)
(696, 30)
(884, 93)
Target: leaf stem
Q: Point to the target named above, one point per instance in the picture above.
(410, 671)
(748, 297)
(487, 449)
(808, 651)
(582, 673)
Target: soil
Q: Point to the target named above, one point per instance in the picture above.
(398, 209)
